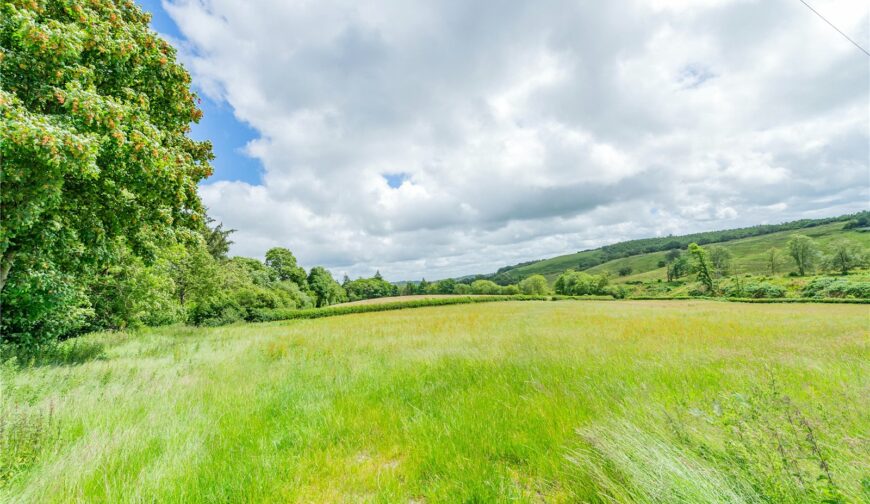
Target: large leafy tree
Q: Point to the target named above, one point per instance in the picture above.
(804, 252)
(283, 264)
(95, 120)
(534, 285)
(327, 290)
(845, 256)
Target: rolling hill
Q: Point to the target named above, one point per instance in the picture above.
(747, 246)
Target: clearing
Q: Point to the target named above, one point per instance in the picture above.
(693, 401)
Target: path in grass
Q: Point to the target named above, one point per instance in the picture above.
(557, 401)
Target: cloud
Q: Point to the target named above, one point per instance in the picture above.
(522, 130)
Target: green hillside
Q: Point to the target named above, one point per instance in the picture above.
(748, 254)
(748, 247)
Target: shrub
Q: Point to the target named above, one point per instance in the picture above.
(828, 287)
(534, 285)
(510, 290)
(616, 291)
(41, 305)
(758, 290)
(486, 287)
(577, 283)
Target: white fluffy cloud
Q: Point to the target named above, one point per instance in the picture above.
(527, 129)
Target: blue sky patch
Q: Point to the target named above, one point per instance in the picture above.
(395, 180)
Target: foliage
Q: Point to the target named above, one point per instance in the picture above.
(773, 260)
(326, 290)
(829, 287)
(625, 270)
(754, 290)
(577, 283)
(217, 239)
(860, 221)
(95, 120)
(804, 252)
(130, 294)
(702, 266)
(485, 287)
(42, 305)
(282, 262)
(509, 290)
(535, 285)
(720, 257)
(845, 256)
(677, 266)
(368, 288)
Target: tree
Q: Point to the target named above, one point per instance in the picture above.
(721, 259)
(773, 260)
(282, 262)
(535, 285)
(367, 288)
(378, 275)
(325, 288)
(702, 266)
(804, 252)
(485, 287)
(217, 239)
(446, 286)
(845, 256)
(677, 265)
(193, 270)
(578, 283)
(130, 294)
(96, 114)
(625, 271)
(462, 288)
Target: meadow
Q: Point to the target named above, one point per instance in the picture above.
(555, 401)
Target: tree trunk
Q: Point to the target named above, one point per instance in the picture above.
(5, 267)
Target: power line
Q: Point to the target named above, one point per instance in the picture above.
(834, 27)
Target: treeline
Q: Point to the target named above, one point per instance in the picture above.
(534, 285)
(595, 257)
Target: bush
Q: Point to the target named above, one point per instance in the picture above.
(215, 311)
(758, 290)
(577, 283)
(828, 287)
(535, 285)
(616, 291)
(485, 287)
(41, 305)
(510, 290)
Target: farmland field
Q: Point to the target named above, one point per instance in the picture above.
(631, 401)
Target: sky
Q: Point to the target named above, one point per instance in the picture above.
(439, 139)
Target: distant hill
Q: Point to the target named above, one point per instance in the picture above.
(747, 245)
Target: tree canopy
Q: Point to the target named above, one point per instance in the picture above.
(95, 113)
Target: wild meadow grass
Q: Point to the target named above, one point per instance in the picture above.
(633, 401)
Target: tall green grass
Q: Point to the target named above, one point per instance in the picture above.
(634, 401)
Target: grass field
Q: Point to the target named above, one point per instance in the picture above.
(569, 401)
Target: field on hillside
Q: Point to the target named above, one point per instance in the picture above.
(748, 255)
(630, 401)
